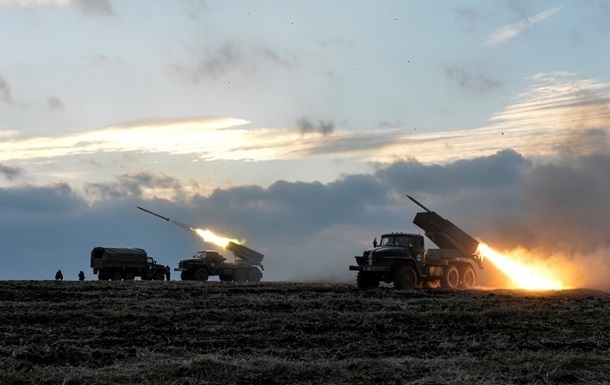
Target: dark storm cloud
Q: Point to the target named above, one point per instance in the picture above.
(503, 168)
(95, 8)
(313, 229)
(475, 82)
(11, 173)
(55, 103)
(307, 125)
(132, 185)
(58, 199)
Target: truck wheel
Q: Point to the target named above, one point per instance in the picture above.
(254, 275)
(202, 274)
(225, 277)
(434, 284)
(405, 278)
(185, 276)
(366, 281)
(451, 278)
(117, 276)
(468, 277)
(159, 276)
(129, 276)
(240, 275)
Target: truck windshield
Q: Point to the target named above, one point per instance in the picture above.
(397, 240)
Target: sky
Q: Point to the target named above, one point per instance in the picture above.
(299, 127)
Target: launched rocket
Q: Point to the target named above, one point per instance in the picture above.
(408, 196)
(150, 212)
(167, 219)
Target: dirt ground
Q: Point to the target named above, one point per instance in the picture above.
(279, 333)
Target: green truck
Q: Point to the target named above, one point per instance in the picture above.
(247, 265)
(116, 263)
(401, 258)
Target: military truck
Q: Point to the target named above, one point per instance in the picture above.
(124, 264)
(207, 263)
(402, 259)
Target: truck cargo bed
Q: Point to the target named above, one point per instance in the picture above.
(445, 234)
(244, 252)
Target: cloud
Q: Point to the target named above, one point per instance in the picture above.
(95, 8)
(34, 3)
(5, 91)
(307, 125)
(269, 55)
(312, 230)
(558, 113)
(11, 173)
(55, 103)
(511, 31)
(177, 136)
(196, 8)
(397, 123)
(230, 56)
(34, 201)
(473, 82)
(101, 61)
(221, 60)
(135, 185)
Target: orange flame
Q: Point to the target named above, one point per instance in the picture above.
(210, 237)
(524, 277)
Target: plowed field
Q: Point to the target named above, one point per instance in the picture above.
(278, 333)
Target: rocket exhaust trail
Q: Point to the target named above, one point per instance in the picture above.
(206, 234)
(167, 219)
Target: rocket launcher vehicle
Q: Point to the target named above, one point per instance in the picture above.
(240, 251)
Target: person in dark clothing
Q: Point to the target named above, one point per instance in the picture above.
(59, 276)
(168, 273)
(81, 276)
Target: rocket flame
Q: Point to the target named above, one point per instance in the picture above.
(523, 276)
(210, 237)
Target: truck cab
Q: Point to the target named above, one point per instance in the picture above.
(394, 250)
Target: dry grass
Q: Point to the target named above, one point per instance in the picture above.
(278, 333)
